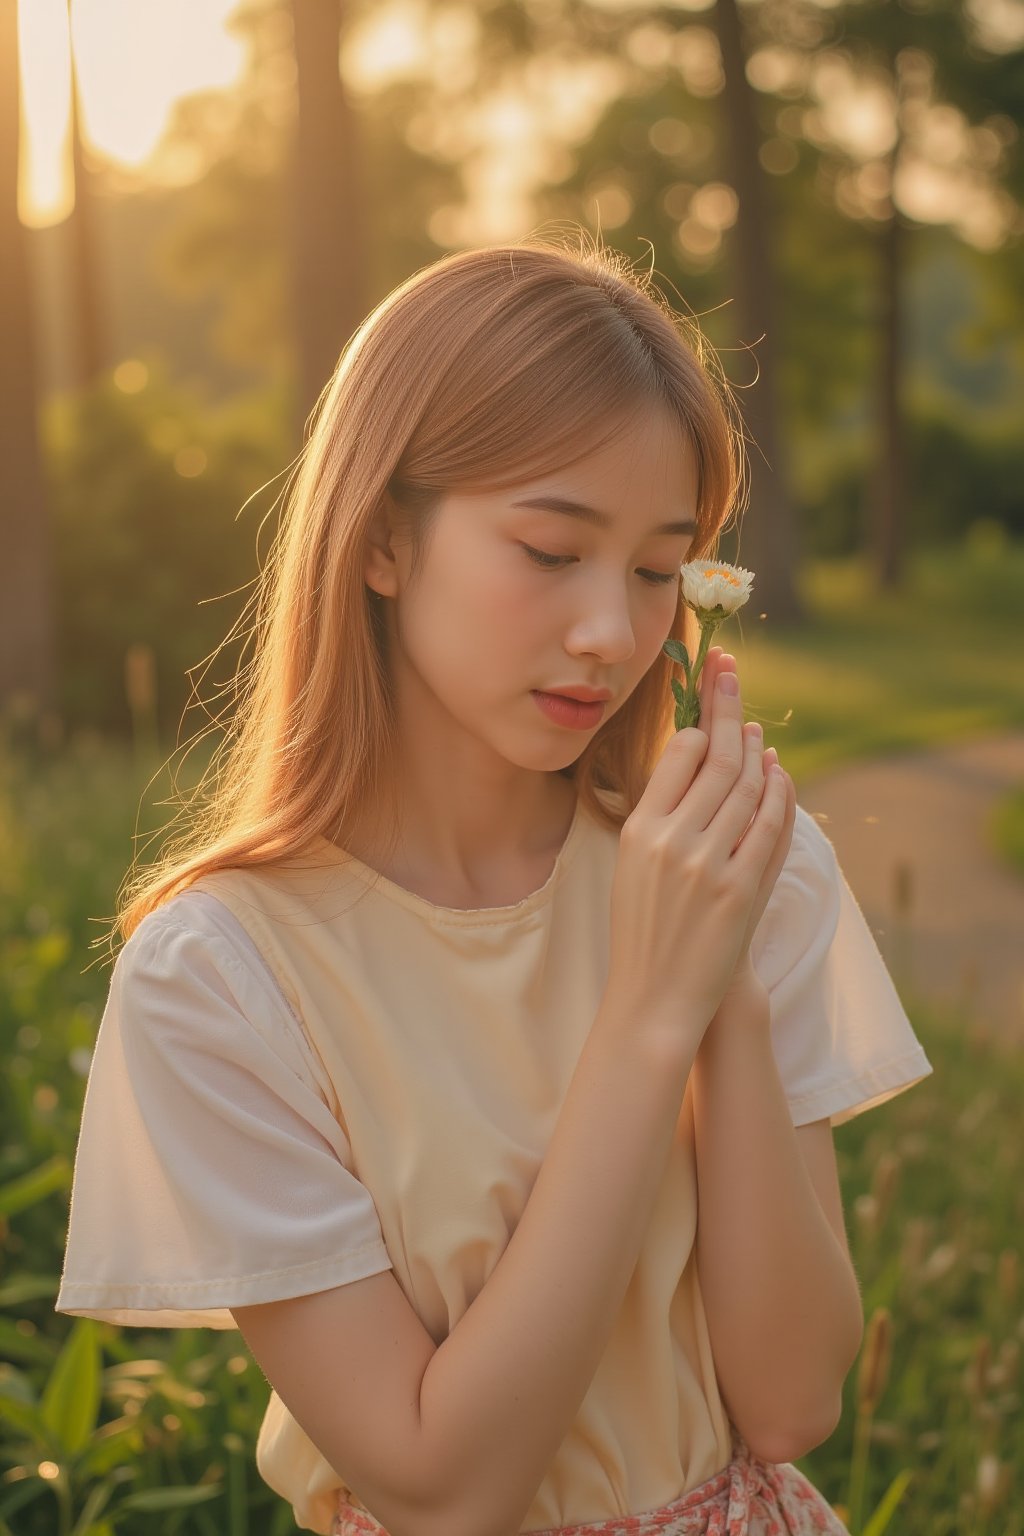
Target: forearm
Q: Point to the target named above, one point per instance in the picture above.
(782, 1301)
(502, 1390)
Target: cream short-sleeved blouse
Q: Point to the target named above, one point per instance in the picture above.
(293, 1088)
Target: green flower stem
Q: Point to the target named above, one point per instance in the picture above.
(707, 631)
(859, 1470)
(688, 713)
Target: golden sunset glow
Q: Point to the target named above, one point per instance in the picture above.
(135, 58)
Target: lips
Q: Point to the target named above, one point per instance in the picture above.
(581, 695)
(569, 712)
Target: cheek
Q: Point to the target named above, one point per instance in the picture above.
(660, 612)
(481, 609)
(507, 592)
(652, 624)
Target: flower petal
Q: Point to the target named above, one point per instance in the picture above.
(710, 584)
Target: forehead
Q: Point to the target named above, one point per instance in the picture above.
(646, 469)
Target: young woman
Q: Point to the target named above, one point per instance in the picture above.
(459, 1003)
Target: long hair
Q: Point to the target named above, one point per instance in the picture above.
(487, 368)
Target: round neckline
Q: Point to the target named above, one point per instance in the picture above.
(463, 916)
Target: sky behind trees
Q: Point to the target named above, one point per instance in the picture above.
(135, 62)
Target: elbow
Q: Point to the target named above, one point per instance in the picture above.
(463, 1514)
(456, 1523)
(451, 1521)
(784, 1444)
(806, 1431)
(481, 1522)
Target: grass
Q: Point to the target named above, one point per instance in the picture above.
(1005, 829)
(873, 676)
(103, 1431)
(934, 1235)
(110, 1432)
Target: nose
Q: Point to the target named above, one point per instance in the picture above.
(604, 626)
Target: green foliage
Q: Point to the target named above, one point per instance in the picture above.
(147, 487)
(960, 470)
(876, 674)
(71, 1398)
(163, 1447)
(964, 471)
(21, 1193)
(659, 144)
(893, 1497)
(935, 1241)
(1006, 829)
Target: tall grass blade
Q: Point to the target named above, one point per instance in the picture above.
(32, 1187)
(891, 1500)
(71, 1398)
(155, 1499)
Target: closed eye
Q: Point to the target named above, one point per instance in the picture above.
(551, 562)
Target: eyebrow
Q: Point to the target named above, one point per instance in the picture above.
(591, 514)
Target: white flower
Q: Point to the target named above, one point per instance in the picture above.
(715, 588)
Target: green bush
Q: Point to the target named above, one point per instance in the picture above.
(148, 490)
(961, 470)
(958, 471)
(1006, 829)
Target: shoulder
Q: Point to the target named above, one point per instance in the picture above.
(190, 935)
(190, 968)
(196, 923)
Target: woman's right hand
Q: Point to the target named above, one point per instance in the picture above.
(691, 863)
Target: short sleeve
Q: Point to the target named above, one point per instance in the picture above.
(842, 1040)
(210, 1172)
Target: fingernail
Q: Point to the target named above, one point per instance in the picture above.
(771, 755)
(729, 683)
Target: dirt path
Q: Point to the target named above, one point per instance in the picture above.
(946, 915)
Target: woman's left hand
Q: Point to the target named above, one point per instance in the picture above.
(716, 661)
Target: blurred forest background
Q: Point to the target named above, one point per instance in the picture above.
(835, 190)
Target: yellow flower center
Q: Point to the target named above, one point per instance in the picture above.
(716, 571)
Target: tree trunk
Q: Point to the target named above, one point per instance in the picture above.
(769, 537)
(328, 217)
(887, 531)
(87, 353)
(27, 640)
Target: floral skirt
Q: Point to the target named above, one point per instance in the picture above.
(749, 1497)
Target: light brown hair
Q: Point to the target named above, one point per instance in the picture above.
(490, 367)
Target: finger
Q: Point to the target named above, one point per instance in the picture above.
(740, 805)
(709, 670)
(716, 662)
(706, 687)
(721, 767)
(675, 770)
(767, 841)
(776, 861)
(780, 852)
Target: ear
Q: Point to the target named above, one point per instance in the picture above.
(380, 569)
